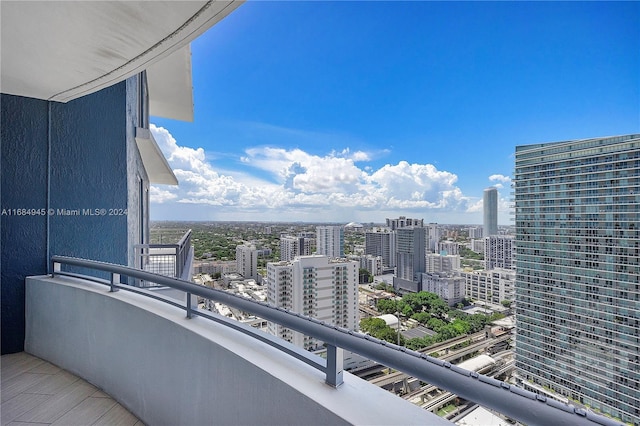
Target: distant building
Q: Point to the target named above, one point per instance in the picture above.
(498, 252)
(381, 242)
(330, 241)
(373, 264)
(475, 232)
(490, 210)
(247, 261)
(291, 246)
(448, 247)
(215, 266)
(411, 258)
(442, 263)
(577, 225)
(491, 286)
(404, 222)
(477, 245)
(450, 287)
(316, 286)
(434, 234)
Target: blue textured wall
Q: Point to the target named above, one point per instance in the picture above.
(24, 185)
(88, 170)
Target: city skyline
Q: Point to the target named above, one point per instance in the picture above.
(400, 109)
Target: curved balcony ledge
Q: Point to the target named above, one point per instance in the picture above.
(167, 369)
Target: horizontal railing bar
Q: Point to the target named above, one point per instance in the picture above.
(146, 246)
(126, 287)
(520, 405)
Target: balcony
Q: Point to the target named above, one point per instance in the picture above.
(166, 367)
(171, 260)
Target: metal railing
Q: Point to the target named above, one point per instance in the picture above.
(512, 401)
(164, 259)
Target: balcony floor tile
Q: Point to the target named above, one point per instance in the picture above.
(39, 393)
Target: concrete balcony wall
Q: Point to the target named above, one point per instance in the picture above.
(168, 369)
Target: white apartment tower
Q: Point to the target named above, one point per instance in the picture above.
(475, 232)
(448, 247)
(492, 286)
(404, 222)
(247, 261)
(448, 286)
(498, 252)
(434, 234)
(330, 241)
(291, 246)
(316, 286)
(442, 263)
(373, 264)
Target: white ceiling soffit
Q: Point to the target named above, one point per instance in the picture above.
(170, 86)
(63, 50)
(155, 164)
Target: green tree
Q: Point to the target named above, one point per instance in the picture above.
(372, 325)
(407, 311)
(391, 336)
(386, 306)
(436, 324)
(421, 317)
(461, 326)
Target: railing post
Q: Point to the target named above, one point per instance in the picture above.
(335, 360)
(55, 267)
(115, 280)
(189, 313)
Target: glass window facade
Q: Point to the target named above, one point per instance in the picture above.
(577, 214)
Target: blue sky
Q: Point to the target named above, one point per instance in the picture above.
(358, 111)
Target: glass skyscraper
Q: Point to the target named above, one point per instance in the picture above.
(490, 211)
(577, 271)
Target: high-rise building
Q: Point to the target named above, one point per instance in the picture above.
(316, 286)
(434, 234)
(330, 241)
(247, 261)
(492, 286)
(490, 210)
(291, 246)
(477, 245)
(475, 232)
(498, 252)
(404, 222)
(448, 247)
(381, 242)
(448, 286)
(442, 263)
(410, 257)
(577, 267)
(373, 264)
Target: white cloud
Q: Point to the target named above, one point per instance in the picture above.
(500, 178)
(301, 181)
(158, 195)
